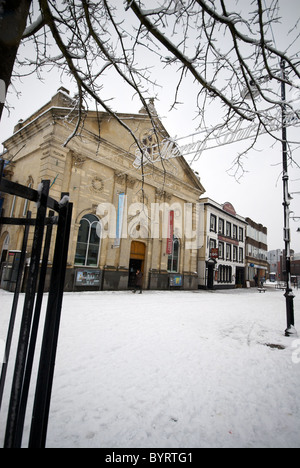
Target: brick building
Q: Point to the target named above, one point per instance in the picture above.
(256, 251)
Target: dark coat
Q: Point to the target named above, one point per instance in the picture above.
(139, 279)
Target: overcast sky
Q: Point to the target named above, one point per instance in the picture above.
(258, 194)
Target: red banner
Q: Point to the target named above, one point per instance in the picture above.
(170, 233)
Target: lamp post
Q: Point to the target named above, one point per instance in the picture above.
(289, 296)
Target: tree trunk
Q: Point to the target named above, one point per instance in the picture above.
(13, 18)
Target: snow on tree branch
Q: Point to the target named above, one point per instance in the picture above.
(225, 51)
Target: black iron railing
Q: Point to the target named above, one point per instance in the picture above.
(49, 213)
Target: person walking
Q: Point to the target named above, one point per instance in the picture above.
(139, 282)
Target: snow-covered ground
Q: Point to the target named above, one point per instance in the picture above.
(173, 370)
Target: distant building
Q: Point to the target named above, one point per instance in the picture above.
(256, 251)
(221, 263)
(295, 266)
(274, 262)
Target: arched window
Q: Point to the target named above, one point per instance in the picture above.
(224, 274)
(173, 260)
(88, 242)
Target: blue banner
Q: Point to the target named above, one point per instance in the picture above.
(121, 205)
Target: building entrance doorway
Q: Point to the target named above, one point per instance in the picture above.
(211, 264)
(137, 261)
(4, 250)
(240, 277)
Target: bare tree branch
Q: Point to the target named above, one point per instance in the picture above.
(34, 28)
(229, 58)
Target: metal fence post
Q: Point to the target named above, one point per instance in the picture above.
(26, 348)
(34, 333)
(18, 379)
(41, 408)
(14, 309)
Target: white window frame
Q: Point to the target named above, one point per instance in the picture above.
(88, 243)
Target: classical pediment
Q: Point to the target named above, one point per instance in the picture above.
(146, 142)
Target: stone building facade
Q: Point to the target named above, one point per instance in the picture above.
(125, 217)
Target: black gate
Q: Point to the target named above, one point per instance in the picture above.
(50, 213)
